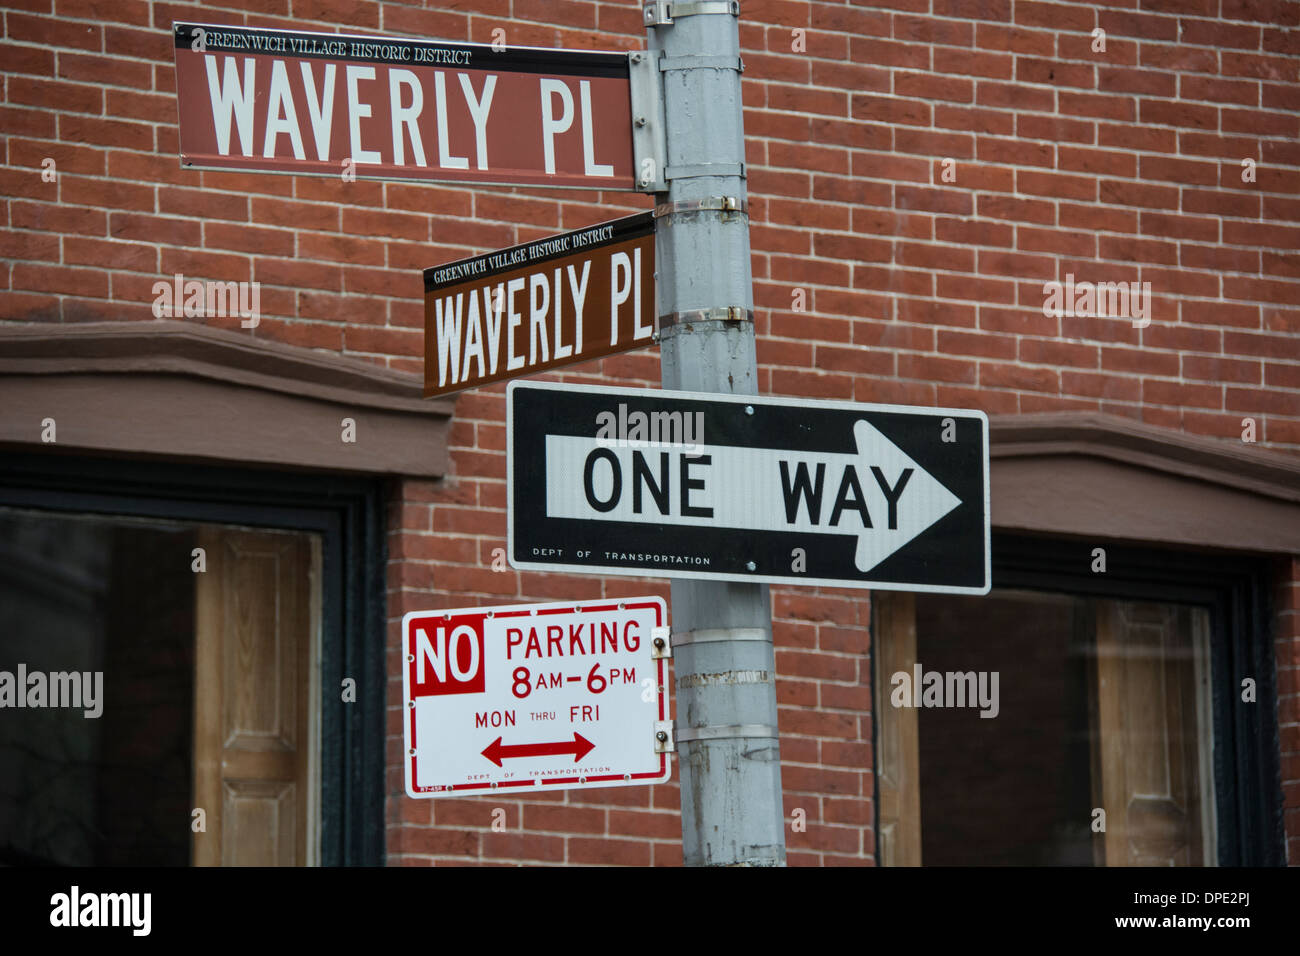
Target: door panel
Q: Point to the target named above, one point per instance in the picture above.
(1152, 731)
(253, 752)
(898, 785)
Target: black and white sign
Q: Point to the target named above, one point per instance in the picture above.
(784, 490)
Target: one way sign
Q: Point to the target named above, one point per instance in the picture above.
(678, 484)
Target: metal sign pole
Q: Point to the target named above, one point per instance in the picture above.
(722, 631)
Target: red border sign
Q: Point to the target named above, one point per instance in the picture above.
(534, 697)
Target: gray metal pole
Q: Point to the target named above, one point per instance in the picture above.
(732, 812)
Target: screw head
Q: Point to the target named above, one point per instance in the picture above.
(661, 736)
(639, 121)
(751, 566)
(659, 643)
(749, 409)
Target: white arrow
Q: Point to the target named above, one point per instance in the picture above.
(880, 494)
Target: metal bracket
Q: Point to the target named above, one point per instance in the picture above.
(661, 647)
(705, 169)
(649, 143)
(701, 63)
(665, 737)
(715, 635)
(730, 207)
(727, 313)
(661, 13)
(726, 732)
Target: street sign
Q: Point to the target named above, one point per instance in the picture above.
(396, 108)
(535, 697)
(754, 488)
(569, 298)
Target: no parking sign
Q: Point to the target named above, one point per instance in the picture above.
(536, 696)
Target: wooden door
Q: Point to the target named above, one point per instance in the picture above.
(1152, 765)
(254, 765)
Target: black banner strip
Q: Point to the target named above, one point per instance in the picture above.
(398, 51)
(536, 252)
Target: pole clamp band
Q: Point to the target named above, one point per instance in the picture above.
(660, 13)
(725, 204)
(715, 635)
(705, 169)
(726, 313)
(701, 63)
(726, 732)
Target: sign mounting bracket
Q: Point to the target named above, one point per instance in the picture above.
(661, 13)
(649, 143)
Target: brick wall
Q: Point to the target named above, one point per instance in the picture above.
(918, 170)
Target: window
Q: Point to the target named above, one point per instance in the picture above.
(161, 680)
(1079, 717)
(212, 692)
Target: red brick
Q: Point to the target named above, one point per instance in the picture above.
(514, 846)
(953, 145)
(975, 120)
(439, 842)
(1256, 65)
(978, 288)
(1054, 16)
(1172, 393)
(1016, 210)
(1018, 321)
(1054, 72)
(1163, 113)
(1059, 241)
(1144, 138)
(1219, 258)
(821, 780)
(1055, 128)
(931, 30)
(1214, 369)
(1055, 185)
(931, 87)
(609, 852)
(1013, 95)
(888, 53)
(1101, 106)
(887, 109)
(1114, 79)
(1015, 152)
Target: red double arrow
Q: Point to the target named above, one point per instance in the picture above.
(579, 746)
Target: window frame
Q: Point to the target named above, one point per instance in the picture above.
(348, 514)
(1235, 590)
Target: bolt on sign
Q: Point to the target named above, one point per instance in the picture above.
(398, 108)
(746, 487)
(569, 298)
(535, 697)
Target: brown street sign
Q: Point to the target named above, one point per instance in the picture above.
(569, 298)
(398, 108)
